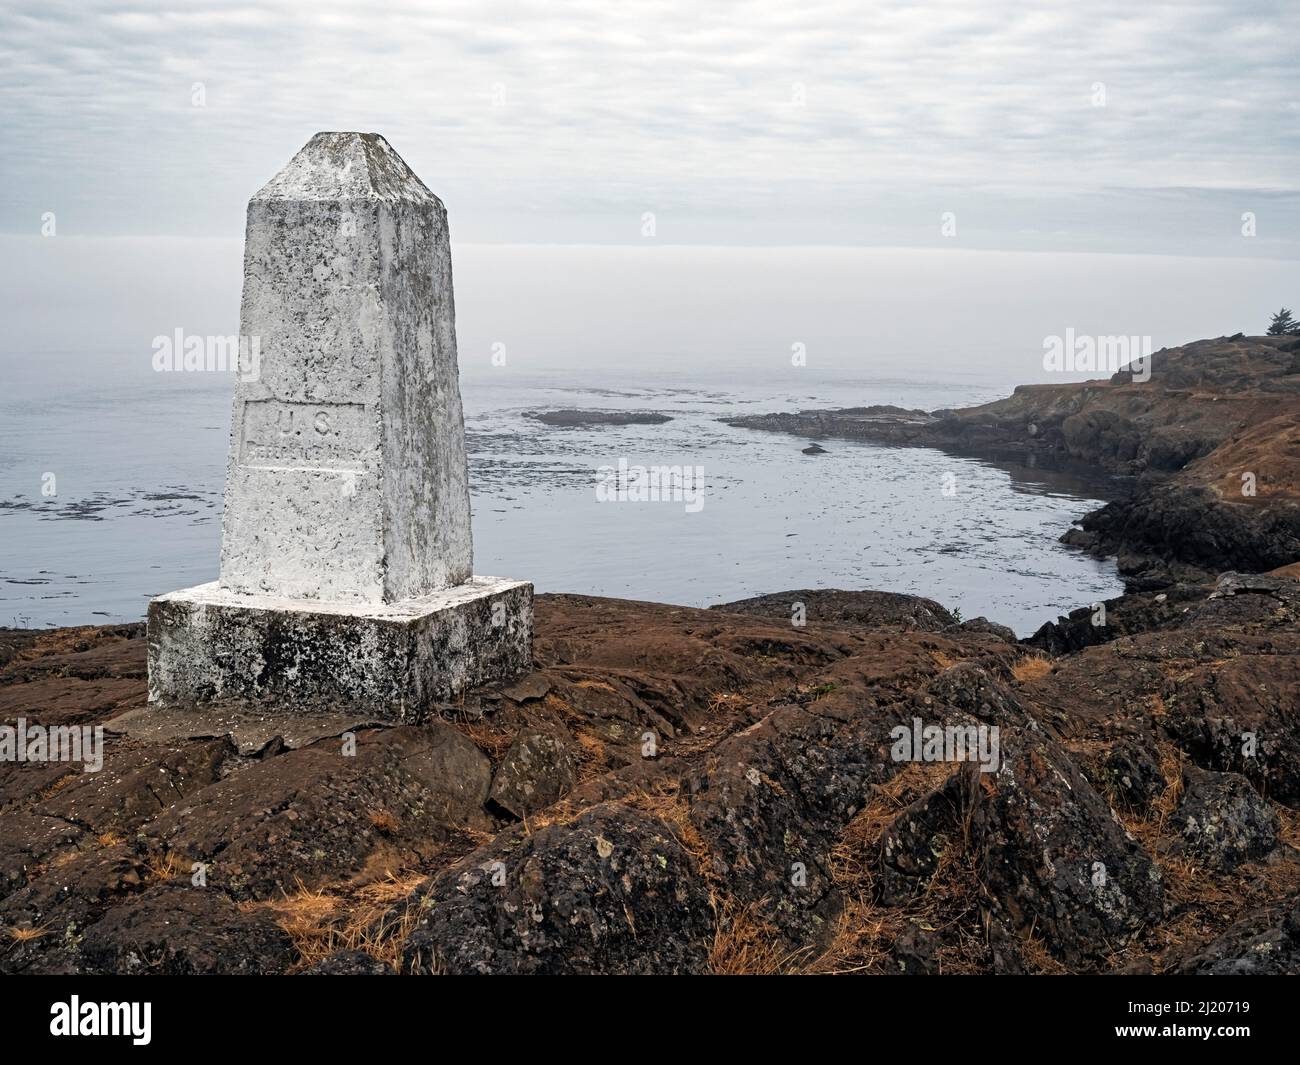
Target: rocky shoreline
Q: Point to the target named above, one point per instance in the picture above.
(678, 790)
(1206, 453)
(569, 418)
(684, 790)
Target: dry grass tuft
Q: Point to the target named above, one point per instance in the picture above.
(492, 742)
(26, 935)
(384, 821)
(668, 803)
(1202, 901)
(746, 945)
(861, 835)
(320, 923)
(721, 702)
(1031, 669)
(593, 750)
(951, 910)
(164, 866)
(942, 660)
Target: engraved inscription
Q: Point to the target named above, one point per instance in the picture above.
(309, 436)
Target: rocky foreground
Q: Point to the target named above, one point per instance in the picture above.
(683, 790)
(1206, 453)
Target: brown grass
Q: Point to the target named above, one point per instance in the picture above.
(743, 944)
(667, 802)
(26, 935)
(384, 821)
(55, 786)
(593, 749)
(320, 923)
(1031, 668)
(746, 945)
(1202, 902)
(163, 866)
(492, 742)
(942, 660)
(721, 702)
(951, 908)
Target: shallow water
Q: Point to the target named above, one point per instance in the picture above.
(139, 459)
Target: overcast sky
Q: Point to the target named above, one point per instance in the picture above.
(754, 123)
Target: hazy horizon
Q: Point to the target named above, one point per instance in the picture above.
(684, 308)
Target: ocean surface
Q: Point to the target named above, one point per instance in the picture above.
(136, 458)
(138, 468)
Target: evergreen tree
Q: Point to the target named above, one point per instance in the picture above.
(1283, 324)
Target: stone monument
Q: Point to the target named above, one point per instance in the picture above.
(346, 577)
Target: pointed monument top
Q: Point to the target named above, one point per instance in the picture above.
(339, 167)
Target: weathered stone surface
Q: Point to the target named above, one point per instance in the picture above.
(1002, 632)
(303, 816)
(612, 892)
(774, 749)
(1053, 856)
(248, 730)
(831, 606)
(176, 929)
(385, 660)
(1222, 820)
(1130, 775)
(539, 768)
(1266, 943)
(533, 686)
(914, 843)
(347, 477)
(28, 842)
(346, 580)
(350, 963)
(1243, 714)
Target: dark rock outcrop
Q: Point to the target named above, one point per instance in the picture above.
(1130, 774)
(1266, 943)
(772, 822)
(571, 418)
(1222, 821)
(831, 606)
(177, 929)
(610, 892)
(1053, 856)
(350, 963)
(539, 769)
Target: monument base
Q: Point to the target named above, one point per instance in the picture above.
(388, 660)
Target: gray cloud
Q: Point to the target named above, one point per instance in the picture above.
(761, 122)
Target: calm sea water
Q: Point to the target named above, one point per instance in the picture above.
(137, 457)
(138, 466)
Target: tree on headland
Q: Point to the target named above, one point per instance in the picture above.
(1283, 324)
